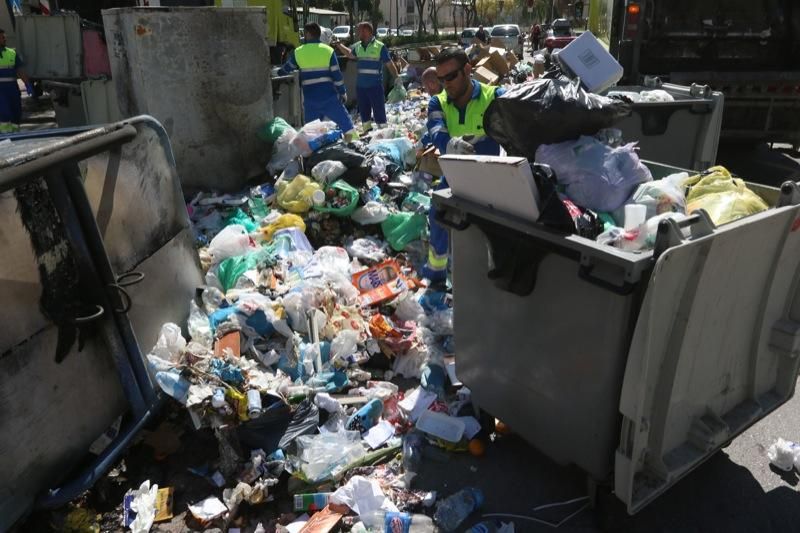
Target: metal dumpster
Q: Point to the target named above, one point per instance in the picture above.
(640, 365)
(103, 209)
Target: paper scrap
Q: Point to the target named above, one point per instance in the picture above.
(208, 509)
(379, 434)
(164, 504)
(417, 402)
(451, 373)
(471, 426)
(363, 496)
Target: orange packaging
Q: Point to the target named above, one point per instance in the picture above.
(380, 283)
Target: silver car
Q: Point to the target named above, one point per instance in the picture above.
(509, 37)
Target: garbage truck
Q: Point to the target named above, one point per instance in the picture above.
(750, 51)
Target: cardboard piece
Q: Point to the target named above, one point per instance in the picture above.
(325, 520)
(164, 504)
(230, 341)
(498, 64)
(511, 59)
(502, 183)
(381, 282)
(484, 75)
(429, 162)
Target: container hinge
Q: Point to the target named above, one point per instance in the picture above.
(785, 337)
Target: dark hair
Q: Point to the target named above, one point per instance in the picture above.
(452, 52)
(313, 29)
(368, 26)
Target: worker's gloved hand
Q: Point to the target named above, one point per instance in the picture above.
(460, 146)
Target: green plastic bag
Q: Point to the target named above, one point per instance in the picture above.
(397, 94)
(231, 269)
(399, 229)
(273, 129)
(341, 188)
(240, 217)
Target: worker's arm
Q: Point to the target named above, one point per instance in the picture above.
(485, 145)
(289, 66)
(345, 51)
(336, 74)
(387, 60)
(437, 129)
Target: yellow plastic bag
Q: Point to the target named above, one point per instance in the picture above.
(724, 197)
(295, 195)
(283, 222)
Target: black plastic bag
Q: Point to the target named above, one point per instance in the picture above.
(547, 111)
(358, 164)
(278, 426)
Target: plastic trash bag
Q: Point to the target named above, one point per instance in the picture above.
(199, 326)
(397, 94)
(231, 269)
(144, 505)
(295, 196)
(660, 196)
(324, 456)
(784, 454)
(595, 175)
(367, 248)
(328, 171)
(170, 343)
(344, 344)
(399, 151)
(724, 197)
(243, 219)
(233, 240)
(372, 212)
(282, 222)
(273, 129)
(547, 111)
(656, 95)
(284, 150)
(399, 229)
(339, 191)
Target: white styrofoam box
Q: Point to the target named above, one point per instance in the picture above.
(497, 182)
(441, 425)
(588, 59)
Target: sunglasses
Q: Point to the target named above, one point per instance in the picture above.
(451, 76)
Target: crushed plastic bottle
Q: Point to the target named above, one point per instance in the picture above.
(454, 509)
(173, 384)
(394, 522)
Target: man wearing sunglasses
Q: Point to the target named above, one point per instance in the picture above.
(455, 126)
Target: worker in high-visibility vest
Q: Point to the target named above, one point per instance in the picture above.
(455, 126)
(371, 55)
(324, 93)
(10, 98)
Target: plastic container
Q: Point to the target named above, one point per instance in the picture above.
(454, 509)
(635, 215)
(441, 425)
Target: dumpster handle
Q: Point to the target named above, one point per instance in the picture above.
(585, 273)
(669, 231)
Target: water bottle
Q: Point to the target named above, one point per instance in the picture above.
(366, 417)
(172, 383)
(456, 508)
(391, 522)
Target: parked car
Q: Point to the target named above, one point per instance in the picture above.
(466, 37)
(559, 35)
(407, 32)
(343, 34)
(509, 37)
(382, 32)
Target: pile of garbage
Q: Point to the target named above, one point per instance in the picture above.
(312, 307)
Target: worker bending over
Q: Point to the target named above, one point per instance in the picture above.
(324, 92)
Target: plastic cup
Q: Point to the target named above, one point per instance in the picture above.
(635, 216)
(318, 197)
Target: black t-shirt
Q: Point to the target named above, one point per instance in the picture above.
(481, 36)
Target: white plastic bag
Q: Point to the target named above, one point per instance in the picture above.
(144, 505)
(344, 345)
(370, 213)
(283, 152)
(170, 343)
(660, 196)
(199, 326)
(233, 240)
(784, 454)
(328, 171)
(368, 248)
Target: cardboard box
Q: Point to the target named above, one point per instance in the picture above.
(586, 58)
(511, 59)
(498, 64)
(484, 75)
(429, 162)
(502, 183)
